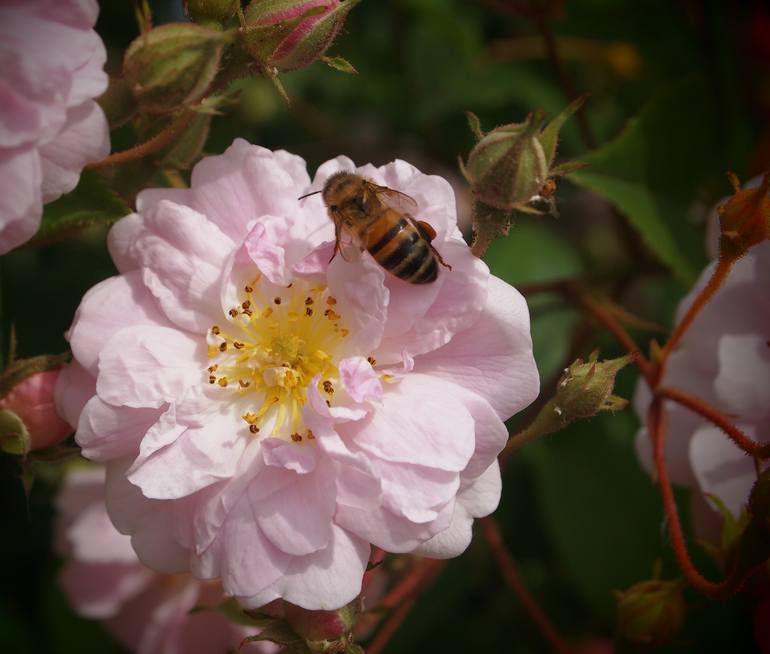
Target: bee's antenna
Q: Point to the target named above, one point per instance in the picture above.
(302, 197)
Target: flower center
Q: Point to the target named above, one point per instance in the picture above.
(269, 351)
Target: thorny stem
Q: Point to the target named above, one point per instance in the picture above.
(714, 283)
(722, 590)
(157, 142)
(697, 405)
(402, 599)
(507, 566)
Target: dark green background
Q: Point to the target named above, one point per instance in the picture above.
(577, 512)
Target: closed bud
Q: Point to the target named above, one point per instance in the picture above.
(173, 65)
(323, 631)
(744, 220)
(509, 166)
(211, 11)
(28, 418)
(651, 612)
(586, 388)
(286, 35)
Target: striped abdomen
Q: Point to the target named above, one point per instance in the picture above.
(398, 246)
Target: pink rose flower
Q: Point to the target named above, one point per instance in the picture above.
(50, 70)
(266, 414)
(32, 402)
(724, 359)
(147, 612)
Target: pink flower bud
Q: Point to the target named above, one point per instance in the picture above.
(28, 419)
(291, 34)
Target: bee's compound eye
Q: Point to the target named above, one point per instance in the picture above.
(333, 207)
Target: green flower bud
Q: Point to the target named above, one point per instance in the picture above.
(585, 389)
(173, 65)
(208, 11)
(651, 612)
(286, 35)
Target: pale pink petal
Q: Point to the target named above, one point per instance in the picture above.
(493, 357)
(181, 255)
(743, 382)
(477, 500)
(300, 459)
(74, 387)
(85, 137)
(147, 366)
(297, 519)
(360, 380)
(249, 562)
(21, 204)
(106, 432)
(111, 305)
(721, 468)
(100, 590)
(415, 425)
(392, 533)
(324, 580)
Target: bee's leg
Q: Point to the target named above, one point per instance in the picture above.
(439, 257)
(336, 240)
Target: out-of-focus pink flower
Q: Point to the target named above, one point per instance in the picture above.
(265, 414)
(147, 612)
(724, 358)
(32, 402)
(50, 70)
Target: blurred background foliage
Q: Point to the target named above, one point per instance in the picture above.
(679, 94)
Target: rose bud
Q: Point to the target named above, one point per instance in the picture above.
(208, 11)
(28, 419)
(173, 65)
(291, 34)
(651, 612)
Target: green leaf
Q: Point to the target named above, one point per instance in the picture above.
(653, 171)
(341, 64)
(91, 203)
(601, 511)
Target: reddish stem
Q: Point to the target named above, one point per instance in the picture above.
(715, 282)
(702, 408)
(722, 590)
(504, 560)
(402, 598)
(157, 142)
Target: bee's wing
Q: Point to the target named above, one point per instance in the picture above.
(394, 199)
(346, 243)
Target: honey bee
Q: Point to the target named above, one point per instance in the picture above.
(379, 219)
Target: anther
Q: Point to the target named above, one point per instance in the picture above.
(372, 361)
(253, 429)
(213, 368)
(215, 330)
(310, 435)
(247, 312)
(223, 347)
(328, 387)
(267, 312)
(233, 313)
(308, 301)
(308, 311)
(238, 345)
(331, 314)
(277, 300)
(212, 379)
(331, 300)
(290, 285)
(244, 383)
(222, 381)
(296, 437)
(248, 289)
(246, 304)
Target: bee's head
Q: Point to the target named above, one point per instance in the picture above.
(340, 188)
